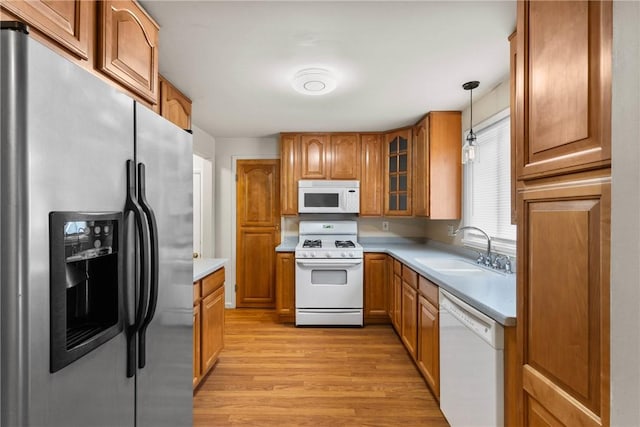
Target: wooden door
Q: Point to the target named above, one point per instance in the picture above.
(128, 47)
(421, 168)
(66, 22)
(258, 231)
(375, 289)
(429, 344)
(344, 156)
(212, 328)
(174, 105)
(563, 299)
(289, 173)
(313, 156)
(445, 168)
(372, 167)
(285, 287)
(196, 344)
(409, 318)
(563, 86)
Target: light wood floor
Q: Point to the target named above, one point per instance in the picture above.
(271, 374)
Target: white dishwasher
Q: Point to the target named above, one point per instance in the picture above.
(471, 365)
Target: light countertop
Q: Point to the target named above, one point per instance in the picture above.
(492, 294)
(205, 266)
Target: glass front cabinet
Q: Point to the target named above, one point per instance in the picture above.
(398, 174)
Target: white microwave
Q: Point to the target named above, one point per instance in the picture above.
(328, 196)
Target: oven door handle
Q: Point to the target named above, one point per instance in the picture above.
(326, 263)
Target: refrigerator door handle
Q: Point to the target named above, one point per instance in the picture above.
(143, 236)
(154, 266)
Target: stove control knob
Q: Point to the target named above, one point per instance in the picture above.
(343, 254)
(303, 255)
(329, 255)
(351, 254)
(313, 254)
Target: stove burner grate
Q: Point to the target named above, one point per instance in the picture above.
(312, 243)
(345, 244)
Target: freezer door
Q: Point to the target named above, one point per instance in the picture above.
(76, 136)
(164, 386)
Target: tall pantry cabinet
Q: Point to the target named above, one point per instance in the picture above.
(562, 166)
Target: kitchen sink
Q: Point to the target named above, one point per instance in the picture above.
(454, 266)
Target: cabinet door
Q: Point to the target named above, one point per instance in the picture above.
(375, 289)
(397, 304)
(345, 156)
(429, 344)
(289, 169)
(563, 299)
(398, 178)
(421, 168)
(313, 156)
(128, 47)
(371, 185)
(445, 168)
(212, 328)
(174, 105)
(563, 86)
(68, 23)
(197, 373)
(410, 318)
(513, 55)
(285, 287)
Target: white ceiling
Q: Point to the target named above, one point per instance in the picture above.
(394, 60)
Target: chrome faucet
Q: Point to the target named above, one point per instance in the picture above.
(487, 258)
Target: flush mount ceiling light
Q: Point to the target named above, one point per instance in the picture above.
(314, 81)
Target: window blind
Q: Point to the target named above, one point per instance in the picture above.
(488, 185)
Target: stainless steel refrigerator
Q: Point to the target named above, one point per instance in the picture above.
(96, 242)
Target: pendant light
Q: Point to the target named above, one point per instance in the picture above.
(469, 152)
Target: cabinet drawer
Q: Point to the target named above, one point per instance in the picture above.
(397, 267)
(197, 291)
(410, 276)
(212, 282)
(428, 290)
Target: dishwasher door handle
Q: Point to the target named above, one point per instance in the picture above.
(481, 324)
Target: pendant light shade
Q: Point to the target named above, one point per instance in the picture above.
(470, 86)
(469, 150)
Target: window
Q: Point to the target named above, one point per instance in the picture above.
(487, 186)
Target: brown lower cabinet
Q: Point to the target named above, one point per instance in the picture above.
(375, 289)
(428, 359)
(285, 287)
(208, 323)
(409, 309)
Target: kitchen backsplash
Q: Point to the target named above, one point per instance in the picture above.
(373, 227)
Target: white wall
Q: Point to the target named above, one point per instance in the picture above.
(227, 151)
(625, 220)
(204, 146)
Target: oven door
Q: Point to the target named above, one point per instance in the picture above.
(329, 283)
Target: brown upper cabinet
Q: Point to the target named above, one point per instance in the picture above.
(289, 173)
(68, 23)
(371, 175)
(437, 166)
(397, 173)
(313, 156)
(563, 94)
(344, 156)
(174, 105)
(128, 47)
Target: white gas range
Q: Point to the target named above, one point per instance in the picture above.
(329, 274)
